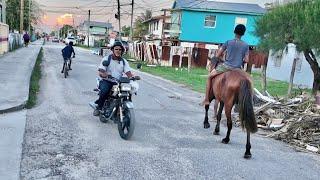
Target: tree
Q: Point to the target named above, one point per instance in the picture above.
(13, 14)
(53, 33)
(125, 31)
(141, 28)
(65, 30)
(297, 23)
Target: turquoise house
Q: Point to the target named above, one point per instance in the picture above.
(212, 22)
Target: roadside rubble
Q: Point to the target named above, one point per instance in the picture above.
(295, 121)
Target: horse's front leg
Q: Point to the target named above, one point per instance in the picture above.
(218, 116)
(247, 154)
(206, 124)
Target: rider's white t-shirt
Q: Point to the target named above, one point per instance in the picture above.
(115, 68)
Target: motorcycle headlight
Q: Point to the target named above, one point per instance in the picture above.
(134, 87)
(125, 87)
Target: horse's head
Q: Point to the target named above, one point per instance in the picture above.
(214, 63)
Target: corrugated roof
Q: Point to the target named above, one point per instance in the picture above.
(156, 18)
(98, 24)
(220, 6)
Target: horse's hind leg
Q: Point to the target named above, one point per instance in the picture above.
(217, 129)
(229, 123)
(206, 124)
(247, 154)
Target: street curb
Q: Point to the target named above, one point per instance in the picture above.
(23, 105)
(13, 109)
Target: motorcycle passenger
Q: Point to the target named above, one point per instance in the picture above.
(66, 53)
(117, 65)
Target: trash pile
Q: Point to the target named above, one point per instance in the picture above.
(295, 121)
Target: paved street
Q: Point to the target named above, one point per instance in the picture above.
(63, 140)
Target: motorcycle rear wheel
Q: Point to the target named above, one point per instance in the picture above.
(126, 127)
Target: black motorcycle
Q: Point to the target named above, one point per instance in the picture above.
(118, 107)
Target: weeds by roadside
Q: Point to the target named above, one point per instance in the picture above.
(34, 81)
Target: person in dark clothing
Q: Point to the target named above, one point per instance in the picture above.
(26, 39)
(66, 53)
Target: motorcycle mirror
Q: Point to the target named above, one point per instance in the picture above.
(137, 78)
(139, 65)
(105, 63)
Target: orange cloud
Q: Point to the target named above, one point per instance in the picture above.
(65, 19)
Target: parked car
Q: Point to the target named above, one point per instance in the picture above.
(55, 39)
(69, 39)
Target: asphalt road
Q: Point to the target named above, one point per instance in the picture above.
(64, 141)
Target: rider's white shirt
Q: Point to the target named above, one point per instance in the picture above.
(115, 68)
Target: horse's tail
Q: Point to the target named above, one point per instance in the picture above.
(246, 112)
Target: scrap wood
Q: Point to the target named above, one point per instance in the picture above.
(295, 121)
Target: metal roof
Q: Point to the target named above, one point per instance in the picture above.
(218, 6)
(98, 24)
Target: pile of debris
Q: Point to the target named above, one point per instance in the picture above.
(295, 121)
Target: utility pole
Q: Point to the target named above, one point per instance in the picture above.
(163, 26)
(88, 27)
(3, 12)
(131, 28)
(119, 20)
(29, 27)
(21, 15)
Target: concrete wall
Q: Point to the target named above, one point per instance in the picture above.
(4, 37)
(279, 67)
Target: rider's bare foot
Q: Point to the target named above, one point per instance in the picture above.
(204, 103)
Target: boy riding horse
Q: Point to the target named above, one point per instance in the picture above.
(237, 53)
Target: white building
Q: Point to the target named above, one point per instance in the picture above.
(156, 27)
(98, 32)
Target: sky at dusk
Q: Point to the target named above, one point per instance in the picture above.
(59, 12)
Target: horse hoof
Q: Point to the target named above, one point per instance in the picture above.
(225, 141)
(206, 125)
(216, 133)
(247, 156)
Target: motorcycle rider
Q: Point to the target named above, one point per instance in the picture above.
(66, 53)
(114, 67)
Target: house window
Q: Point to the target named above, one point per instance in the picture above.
(240, 20)
(210, 21)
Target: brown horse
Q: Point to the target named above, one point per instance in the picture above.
(229, 88)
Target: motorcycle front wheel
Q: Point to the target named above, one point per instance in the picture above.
(126, 127)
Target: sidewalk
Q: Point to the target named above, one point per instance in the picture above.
(15, 72)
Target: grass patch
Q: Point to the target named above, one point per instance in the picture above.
(196, 79)
(34, 81)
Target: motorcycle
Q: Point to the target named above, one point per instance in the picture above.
(118, 107)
